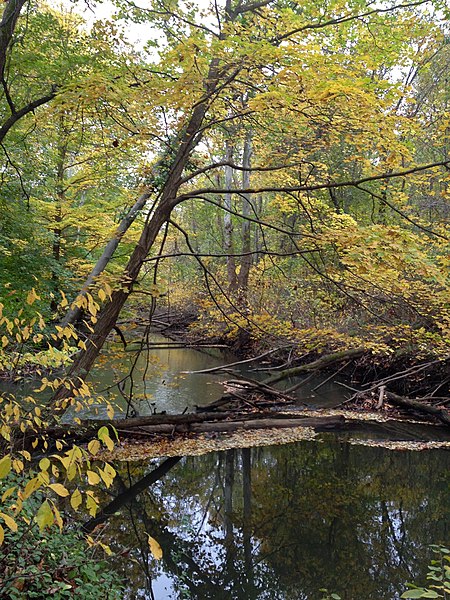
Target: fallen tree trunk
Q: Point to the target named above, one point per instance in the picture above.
(321, 363)
(317, 423)
(440, 413)
(171, 424)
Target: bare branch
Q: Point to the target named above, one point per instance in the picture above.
(350, 17)
(312, 188)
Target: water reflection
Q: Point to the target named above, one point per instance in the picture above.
(155, 379)
(282, 522)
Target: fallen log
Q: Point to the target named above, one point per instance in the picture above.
(317, 423)
(171, 424)
(321, 363)
(440, 413)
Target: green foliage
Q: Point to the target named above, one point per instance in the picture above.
(44, 563)
(439, 574)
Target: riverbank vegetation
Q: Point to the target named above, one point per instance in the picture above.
(278, 171)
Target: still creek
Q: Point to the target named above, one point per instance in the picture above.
(162, 379)
(267, 523)
(274, 522)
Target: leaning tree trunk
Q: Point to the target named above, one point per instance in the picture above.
(73, 316)
(107, 317)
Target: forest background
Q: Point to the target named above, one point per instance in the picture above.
(277, 169)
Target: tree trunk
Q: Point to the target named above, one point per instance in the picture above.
(73, 315)
(227, 219)
(8, 24)
(321, 363)
(246, 260)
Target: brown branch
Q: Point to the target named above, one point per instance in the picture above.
(16, 116)
(312, 188)
(345, 19)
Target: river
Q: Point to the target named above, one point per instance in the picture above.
(275, 522)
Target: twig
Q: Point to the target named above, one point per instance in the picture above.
(330, 377)
(233, 364)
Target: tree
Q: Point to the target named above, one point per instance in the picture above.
(203, 73)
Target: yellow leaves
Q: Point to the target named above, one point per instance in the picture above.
(44, 516)
(10, 522)
(5, 466)
(155, 548)
(107, 474)
(76, 499)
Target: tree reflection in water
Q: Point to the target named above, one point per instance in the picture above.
(281, 522)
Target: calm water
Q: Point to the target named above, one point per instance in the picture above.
(275, 523)
(282, 522)
(160, 380)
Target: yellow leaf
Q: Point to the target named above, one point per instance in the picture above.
(44, 464)
(76, 499)
(155, 548)
(94, 447)
(106, 548)
(5, 341)
(31, 487)
(44, 515)
(93, 478)
(91, 504)
(58, 518)
(101, 295)
(8, 493)
(32, 296)
(2, 535)
(59, 489)
(5, 466)
(9, 521)
(63, 302)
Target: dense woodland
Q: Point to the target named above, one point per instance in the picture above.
(271, 174)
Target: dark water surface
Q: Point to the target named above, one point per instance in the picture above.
(281, 522)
